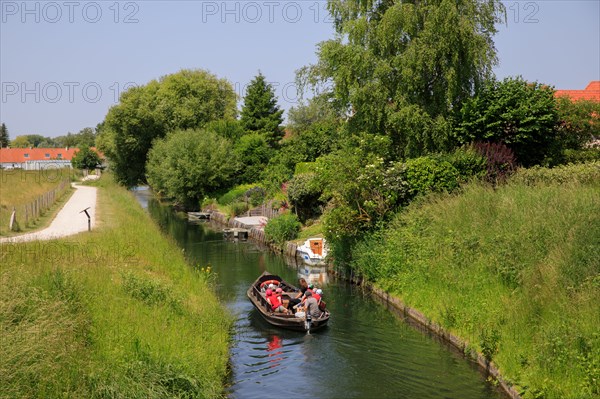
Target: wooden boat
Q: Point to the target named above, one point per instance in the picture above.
(313, 252)
(289, 321)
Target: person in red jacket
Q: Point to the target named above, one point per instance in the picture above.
(275, 302)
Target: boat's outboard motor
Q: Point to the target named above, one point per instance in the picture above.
(308, 322)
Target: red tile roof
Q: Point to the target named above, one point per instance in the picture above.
(17, 155)
(591, 92)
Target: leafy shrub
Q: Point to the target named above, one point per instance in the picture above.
(489, 339)
(581, 156)
(238, 208)
(256, 195)
(427, 174)
(208, 203)
(574, 173)
(500, 160)
(304, 192)
(282, 228)
(363, 191)
(187, 165)
(520, 114)
(468, 162)
(579, 122)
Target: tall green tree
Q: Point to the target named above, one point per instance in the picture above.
(86, 158)
(188, 99)
(399, 67)
(20, 142)
(85, 138)
(253, 152)
(514, 112)
(4, 139)
(31, 140)
(260, 113)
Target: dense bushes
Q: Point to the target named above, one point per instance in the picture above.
(500, 160)
(282, 228)
(468, 162)
(514, 112)
(253, 152)
(566, 174)
(427, 174)
(579, 122)
(304, 194)
(189, 164)
(581, 156)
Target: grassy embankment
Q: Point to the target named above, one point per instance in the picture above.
(112, 313)
(515, 271)
(19, 187)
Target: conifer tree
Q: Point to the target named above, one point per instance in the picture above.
(260, 113)
(4, 140)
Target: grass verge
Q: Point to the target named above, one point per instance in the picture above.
(19, 187)
(515, 271)
(115, 313)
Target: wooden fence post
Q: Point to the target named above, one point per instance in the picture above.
(12, 219)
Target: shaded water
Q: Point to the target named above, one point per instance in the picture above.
(366, 351)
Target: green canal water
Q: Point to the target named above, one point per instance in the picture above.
(367, 351)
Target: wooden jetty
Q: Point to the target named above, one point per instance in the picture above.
(236, 233)
(198, 216)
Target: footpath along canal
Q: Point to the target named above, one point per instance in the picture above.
(367, 351)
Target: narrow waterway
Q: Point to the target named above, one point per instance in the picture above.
(366, 351)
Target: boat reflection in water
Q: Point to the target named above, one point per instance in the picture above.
(275, 351)
(316, 275)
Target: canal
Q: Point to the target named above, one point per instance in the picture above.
(367, 351)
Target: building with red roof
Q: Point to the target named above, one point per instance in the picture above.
(37, 158)
(591, 92)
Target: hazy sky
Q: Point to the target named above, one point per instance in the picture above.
(63, 64)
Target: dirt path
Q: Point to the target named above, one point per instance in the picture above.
(69, 220)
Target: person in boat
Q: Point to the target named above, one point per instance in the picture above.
(317, 294)
(300, 296)
(275, 302)
(264, 287)
(312, 306)
(311, 289)
(279, 293)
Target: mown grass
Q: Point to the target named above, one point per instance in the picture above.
(19, 187)
(515, 271)
(115, 313)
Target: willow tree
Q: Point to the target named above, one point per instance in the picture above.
(401, 67)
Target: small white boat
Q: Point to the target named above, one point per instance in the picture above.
(313, 252)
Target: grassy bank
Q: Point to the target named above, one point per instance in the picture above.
(116, 313)
(19, 187)
(515, 271)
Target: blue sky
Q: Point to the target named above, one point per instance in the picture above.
(64, 63)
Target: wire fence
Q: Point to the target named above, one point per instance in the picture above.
(26, 214)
